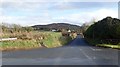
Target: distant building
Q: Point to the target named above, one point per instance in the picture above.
(69, 31)
(53, 30)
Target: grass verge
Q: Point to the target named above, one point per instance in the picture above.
(34, 40)
(96, 42)
(109, 45)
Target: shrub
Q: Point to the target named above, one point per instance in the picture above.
(108, 28)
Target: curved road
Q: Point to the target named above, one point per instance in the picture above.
(78, 52)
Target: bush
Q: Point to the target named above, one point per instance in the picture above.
(108, 28)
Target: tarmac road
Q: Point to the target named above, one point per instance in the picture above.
(78, 52)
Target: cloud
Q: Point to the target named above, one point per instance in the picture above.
(106, 12)
(25, 6)
(1, 11)
(25, 12)
(83, 5)
(82, 17)
(75, 18)
(24, 20)
(62, 6)
(29, 6)
(61, 0)
(32, 5)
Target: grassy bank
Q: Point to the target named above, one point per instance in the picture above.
(34, 39)
(96, 42)
(110, 46)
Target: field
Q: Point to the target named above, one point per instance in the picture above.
(34, 39)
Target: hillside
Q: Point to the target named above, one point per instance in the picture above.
(57, 26)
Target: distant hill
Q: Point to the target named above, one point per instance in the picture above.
(57, 26)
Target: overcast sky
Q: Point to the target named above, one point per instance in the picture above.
(28, 12)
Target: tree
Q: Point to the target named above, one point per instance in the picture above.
(108, 28)
(4, 27)
(16, 28)
(84, 27)
(28, 29)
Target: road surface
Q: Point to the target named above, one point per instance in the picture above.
(78, 52)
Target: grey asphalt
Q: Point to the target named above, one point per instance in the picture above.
(78, 52)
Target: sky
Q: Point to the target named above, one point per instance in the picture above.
(37, 12)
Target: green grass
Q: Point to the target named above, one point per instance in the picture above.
(52, 40)
(19, 44)
(32, 40)
(96, 42)
(109, 45)
(56, 40)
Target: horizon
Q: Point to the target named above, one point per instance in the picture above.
(43, 13)
(59, 23)
(74, 24)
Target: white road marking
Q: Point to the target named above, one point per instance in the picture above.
(80, 49)
(85, 54)
(95, 49)
(91, 48)
(94, 57)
